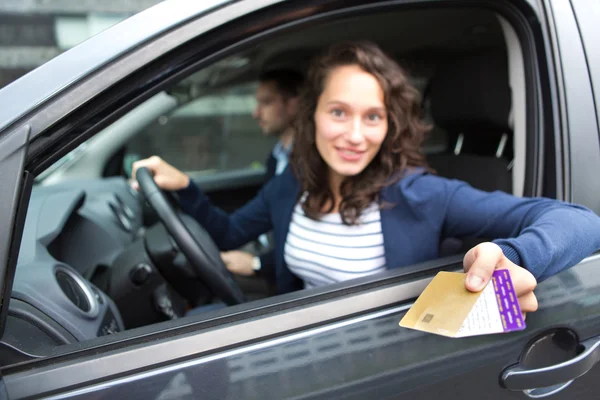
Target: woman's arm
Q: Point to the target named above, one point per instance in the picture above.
(545, 236)
(228, 231)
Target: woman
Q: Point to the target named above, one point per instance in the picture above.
(358, 197)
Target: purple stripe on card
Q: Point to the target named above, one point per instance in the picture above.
(510, 312)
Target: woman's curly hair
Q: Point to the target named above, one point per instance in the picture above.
(401, 148)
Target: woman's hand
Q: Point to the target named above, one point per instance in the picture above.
(482, 260)
(165, 175)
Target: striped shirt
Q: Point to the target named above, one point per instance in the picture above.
(327, 251)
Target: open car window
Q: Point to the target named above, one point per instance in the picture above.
(203, 124)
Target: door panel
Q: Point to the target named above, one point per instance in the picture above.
(371, 356)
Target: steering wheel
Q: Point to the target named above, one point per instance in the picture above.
(201, 251)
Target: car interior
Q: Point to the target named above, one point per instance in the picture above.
(96, 258)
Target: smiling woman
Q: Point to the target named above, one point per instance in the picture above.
(362, 116)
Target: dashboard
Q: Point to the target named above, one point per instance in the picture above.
(94, 260)
(74, 232)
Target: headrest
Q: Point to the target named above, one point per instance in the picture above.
(471, 94)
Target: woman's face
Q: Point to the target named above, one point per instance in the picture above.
(350, 120)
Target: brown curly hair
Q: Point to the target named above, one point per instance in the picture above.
(401, 148)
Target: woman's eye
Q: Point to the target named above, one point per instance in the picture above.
(374, 117)
(336, 112)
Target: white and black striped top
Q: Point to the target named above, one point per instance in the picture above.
(327, 251)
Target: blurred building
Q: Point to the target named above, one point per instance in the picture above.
(35, 31)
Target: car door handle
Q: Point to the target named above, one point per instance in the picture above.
(519, 378)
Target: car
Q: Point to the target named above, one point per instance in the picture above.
(95, 289)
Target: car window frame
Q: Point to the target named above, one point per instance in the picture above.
(47, 149)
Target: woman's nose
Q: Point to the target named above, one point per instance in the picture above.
(355, 132)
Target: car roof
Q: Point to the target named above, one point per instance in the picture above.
(27, 92)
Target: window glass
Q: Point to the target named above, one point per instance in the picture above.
(214, 132)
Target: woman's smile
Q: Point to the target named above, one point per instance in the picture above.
(349, 154)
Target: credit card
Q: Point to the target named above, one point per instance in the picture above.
(447, 308)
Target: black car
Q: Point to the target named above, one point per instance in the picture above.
(95, 290)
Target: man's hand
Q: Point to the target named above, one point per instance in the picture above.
(166, 176)
(238, 262)
(482, 260)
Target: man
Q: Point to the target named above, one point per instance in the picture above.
(276, 107)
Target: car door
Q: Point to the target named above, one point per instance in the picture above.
(341, 341)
